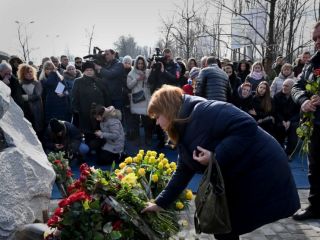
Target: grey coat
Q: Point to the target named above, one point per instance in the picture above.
(112, 132)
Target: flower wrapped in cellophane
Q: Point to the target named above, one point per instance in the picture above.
(108, 204)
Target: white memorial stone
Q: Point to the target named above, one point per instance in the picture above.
(26, 176)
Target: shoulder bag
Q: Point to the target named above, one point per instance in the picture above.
(212, 213)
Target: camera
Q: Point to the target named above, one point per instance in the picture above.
(97, 56)
(158, 57)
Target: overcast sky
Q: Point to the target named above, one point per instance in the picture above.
(61, 24)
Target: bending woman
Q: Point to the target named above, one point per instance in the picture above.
(258, 181)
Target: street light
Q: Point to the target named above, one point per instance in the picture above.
(24, 42)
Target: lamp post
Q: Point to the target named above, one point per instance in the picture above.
(24, 41)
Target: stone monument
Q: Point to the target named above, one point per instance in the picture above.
(26, 176)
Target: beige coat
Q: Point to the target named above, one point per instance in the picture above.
(135, 84)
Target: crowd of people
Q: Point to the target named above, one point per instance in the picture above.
(64, 91)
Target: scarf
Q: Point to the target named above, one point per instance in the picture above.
(257, 75)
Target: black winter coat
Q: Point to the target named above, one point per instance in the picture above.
(85, 91)
(259, 185)
(71, 139)
(299, 92)
(112, 77)
(285, 109)
(213, 84)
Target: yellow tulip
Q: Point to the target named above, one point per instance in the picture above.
(155, 178)
(188, 195)
(161, 155)
(129, 170)
(152, 160)
(179, 205)
(122, 165)
(128, 160)
(117, 171)
(165, 161)
(142, 171)
(169, 171)
(173, 165)
(139, 157)
(135, 160)
(141, 152)
(160, 165)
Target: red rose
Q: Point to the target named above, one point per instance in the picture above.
(78, 196)
(83, 167)
(83, 178)
(116, 226)
(58, 212)
(64, 202)
(85, 173)
(57, 161)
(316, 72)
(53, 221)
(69, 173)
(77, 183)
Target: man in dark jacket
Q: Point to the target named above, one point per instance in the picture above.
(310, 103)
(166, 71)
(112, 77)
(213, 83)
(7, 77)
(64, 136)
(286, 117)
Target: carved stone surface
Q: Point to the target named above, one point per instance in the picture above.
(26, 176)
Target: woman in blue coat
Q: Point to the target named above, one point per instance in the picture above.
(259, 185)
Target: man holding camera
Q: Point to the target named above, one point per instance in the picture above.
(112, 76)
(164, 70)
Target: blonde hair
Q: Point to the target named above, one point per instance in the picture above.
(46, 65)
(25, 68)
(167, 101)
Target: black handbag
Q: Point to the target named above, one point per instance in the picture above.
(212, 212)
(138, 96)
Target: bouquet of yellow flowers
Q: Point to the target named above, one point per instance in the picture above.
(107, 204)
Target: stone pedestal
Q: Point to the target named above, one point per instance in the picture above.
(26, 176)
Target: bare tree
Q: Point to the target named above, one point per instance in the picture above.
(184, 28)
(24, 38)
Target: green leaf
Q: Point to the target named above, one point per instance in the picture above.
(115, 235)
(95, 204)
(308, 87)
(98, 236)
(86, 205)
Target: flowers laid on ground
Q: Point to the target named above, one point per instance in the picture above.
(305, 129)
(63, 172)
(107, 204)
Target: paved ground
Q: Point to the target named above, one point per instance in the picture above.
(284, 229)
(287, 229)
